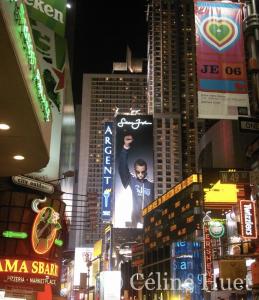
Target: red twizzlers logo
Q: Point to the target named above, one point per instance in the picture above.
(248, 219)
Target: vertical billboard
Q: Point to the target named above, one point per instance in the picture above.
(134, 187)
(221, 69)
(107, 180)
(51, 13)
(51, 51)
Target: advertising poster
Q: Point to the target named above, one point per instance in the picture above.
(107, 181)
(82, 257)
(186, 269)
(51, 52)
(221, 69)
(110, 282)
(134, 187)
(51, 13)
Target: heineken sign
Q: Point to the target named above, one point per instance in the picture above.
(51, 13)
(216, 229)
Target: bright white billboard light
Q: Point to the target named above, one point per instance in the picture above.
(110, 291)
(82, 256)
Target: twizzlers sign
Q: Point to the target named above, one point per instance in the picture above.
(248, 219)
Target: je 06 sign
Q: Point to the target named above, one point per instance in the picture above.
(221, 69)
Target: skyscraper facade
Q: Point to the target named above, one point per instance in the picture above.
(103, 96)
(172, 96)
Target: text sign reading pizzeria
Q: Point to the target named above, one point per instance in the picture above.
(248, 219)
(29, 272)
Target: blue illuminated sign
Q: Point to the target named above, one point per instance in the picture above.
(107, 181)
(186, 263)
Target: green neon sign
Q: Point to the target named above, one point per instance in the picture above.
(59, 242)
(26, 39)
(216, 229)
(14, 234)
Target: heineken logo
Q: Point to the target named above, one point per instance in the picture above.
(46, 9)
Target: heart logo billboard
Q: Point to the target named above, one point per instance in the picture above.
(219, 32)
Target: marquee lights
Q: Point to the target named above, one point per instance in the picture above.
(27, 43)
(195, 178)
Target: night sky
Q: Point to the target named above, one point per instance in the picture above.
(103, 30)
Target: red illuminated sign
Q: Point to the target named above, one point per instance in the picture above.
(44, 230)
(208, 256)
(28, 272)
(248, 219)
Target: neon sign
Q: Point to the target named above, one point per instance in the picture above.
(44, 230)
(28, 272)
(27, 42)
(14, 234)
(248, 219)
(216, 229)
(134, 125)
(107, 184)
(207, 248)
(28, 266)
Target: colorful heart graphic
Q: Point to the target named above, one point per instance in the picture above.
(219, 32)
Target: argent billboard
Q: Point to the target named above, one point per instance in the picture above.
(134, 187)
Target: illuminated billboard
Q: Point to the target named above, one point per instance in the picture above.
(107, 181)
(134, 187)
(220, 195)
(248, 219)
(175, 215)
(221, 68)
(49, 12)
(30, 273)
(110, 282)
(82, 257)
(51, 52)
(186, 266)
